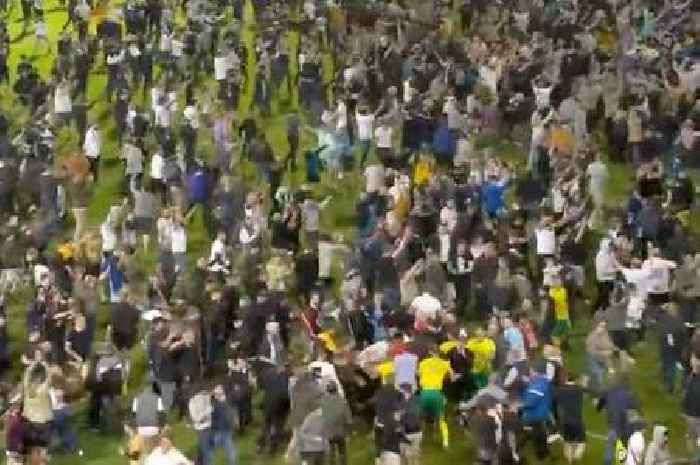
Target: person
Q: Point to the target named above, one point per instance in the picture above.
(411, 425)
(222, 426)
(200, 410)
(433, 371)
(568, 398)
(15, 433)
(337, 423)
(483, 350)
(149, 416)
(671, 334)
(36, 409)
(312, 438)
(560, 300)
(537, 408)
(657, 452)
(690, 407)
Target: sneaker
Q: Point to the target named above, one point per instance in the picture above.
(552, 438)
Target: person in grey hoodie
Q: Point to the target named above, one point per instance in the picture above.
(312, 438)
(338, 421)
(657, 452)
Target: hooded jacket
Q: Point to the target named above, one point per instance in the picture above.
(657, 451)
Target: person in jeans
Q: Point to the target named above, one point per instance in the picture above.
(200, 409)
(61, 425)
(222, 424)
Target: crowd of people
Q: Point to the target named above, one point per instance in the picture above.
(491, 242)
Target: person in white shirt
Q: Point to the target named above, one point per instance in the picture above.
(161, 117)
(166, 454)
(63, 105)
(383, 138)
(365, 124)
(178, 243)
(92, 147)
(157, 166)
(659, 279)
(374, 179)
(606, 268)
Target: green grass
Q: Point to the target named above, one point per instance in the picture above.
(338, 217)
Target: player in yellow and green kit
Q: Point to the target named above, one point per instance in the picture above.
(483, 351)
(432, 372)
(560, 301)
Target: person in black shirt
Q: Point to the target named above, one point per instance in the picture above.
(387, 402)
(568, 398)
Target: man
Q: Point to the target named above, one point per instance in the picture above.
(537, 406)
(432, 372)
(149, 415)
(338, 420)
(411, 425)
(222, 425)
(312, 438)
(200, 409)
(690, 407)
(671, 335)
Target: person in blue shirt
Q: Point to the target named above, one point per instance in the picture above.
(492, 195)
(110, 270)
(536, 410)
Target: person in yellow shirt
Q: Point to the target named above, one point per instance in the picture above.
(560, 301)
(432, 372)
(483, 351)
(385, 370)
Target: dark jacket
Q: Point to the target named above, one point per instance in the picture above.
(691, 400)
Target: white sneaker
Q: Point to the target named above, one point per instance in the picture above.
(552, 438)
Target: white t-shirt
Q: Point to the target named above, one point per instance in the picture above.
(546, 241)
(383, 136)
(162, 116)
(659, 274)
(221, 67)
(365, 124)
(178, 238)
(93, 144)
(157, 162)
(426, 307)
(62, 101)
(374, 177)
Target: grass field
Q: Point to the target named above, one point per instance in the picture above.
(103, 450)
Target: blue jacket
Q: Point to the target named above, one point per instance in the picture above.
(198, 186)
(537, 400)
(492, 193)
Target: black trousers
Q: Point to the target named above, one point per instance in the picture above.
(337, 449)
(538, 435)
